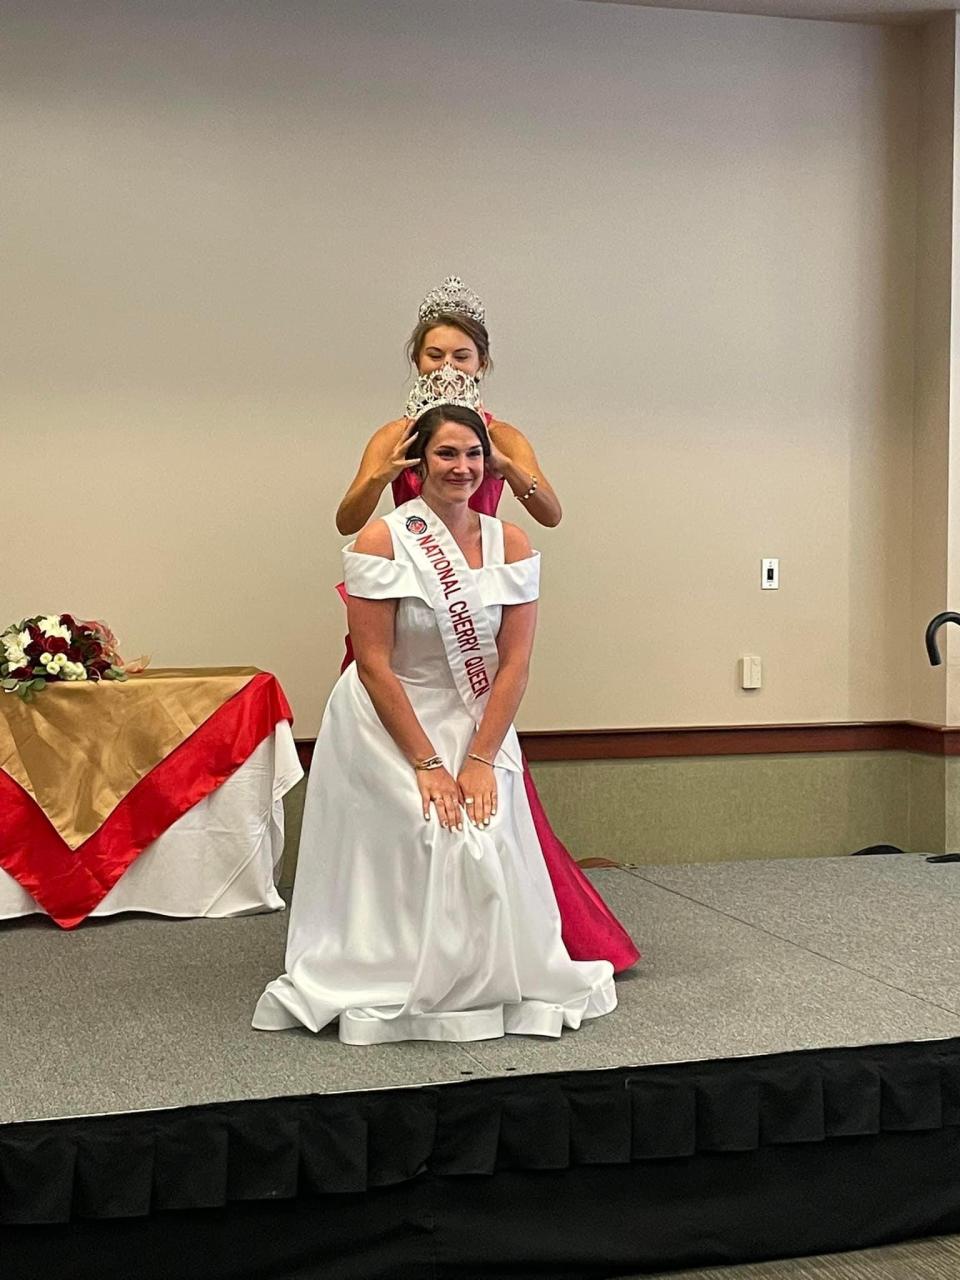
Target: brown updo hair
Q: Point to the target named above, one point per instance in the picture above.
(434, 418)
(474, 330)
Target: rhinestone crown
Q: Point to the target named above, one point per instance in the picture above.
(446, 385)
(454, 297)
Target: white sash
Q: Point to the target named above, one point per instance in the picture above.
(449, 585)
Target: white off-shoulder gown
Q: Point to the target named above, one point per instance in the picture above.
(399, 928)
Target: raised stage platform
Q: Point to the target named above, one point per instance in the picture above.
(782, 1076)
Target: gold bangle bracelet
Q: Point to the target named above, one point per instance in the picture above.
(471, 755)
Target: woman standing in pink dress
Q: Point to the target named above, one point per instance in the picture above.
(451, 330)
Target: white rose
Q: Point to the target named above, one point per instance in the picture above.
(51, 627)
(14, 643)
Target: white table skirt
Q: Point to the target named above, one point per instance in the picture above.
(220, 859)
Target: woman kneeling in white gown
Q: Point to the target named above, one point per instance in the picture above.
(422, 908)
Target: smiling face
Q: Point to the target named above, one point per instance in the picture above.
(453, 463)
(446, 344)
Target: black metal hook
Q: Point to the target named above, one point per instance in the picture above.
(933, 626)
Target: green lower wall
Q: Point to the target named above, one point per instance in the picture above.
(713, 809)
(727, 807)
(929, 802)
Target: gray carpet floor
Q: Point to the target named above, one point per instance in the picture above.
(739, 959)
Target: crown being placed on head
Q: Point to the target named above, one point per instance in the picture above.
(452, 297)
(446, 385)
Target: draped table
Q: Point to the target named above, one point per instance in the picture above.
(161, 793)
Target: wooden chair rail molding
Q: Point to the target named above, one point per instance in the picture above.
(729, 740)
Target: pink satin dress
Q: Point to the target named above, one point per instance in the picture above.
(590, 929)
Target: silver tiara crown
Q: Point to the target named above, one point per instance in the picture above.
(446, 385)
(454, 297)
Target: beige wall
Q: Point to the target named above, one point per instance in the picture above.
(952, 647)
(935, 694)
(933, 358)
(695, 236)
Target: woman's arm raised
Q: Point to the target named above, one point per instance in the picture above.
(383, 460)
(514, 646)
(514, 459)
(371, 631)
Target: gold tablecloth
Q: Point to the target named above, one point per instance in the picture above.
(79, 748)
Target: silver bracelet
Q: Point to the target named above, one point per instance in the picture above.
(431, 762)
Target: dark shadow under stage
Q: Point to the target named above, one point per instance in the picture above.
(782, 1077)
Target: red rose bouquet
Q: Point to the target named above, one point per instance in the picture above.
(56, 647)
